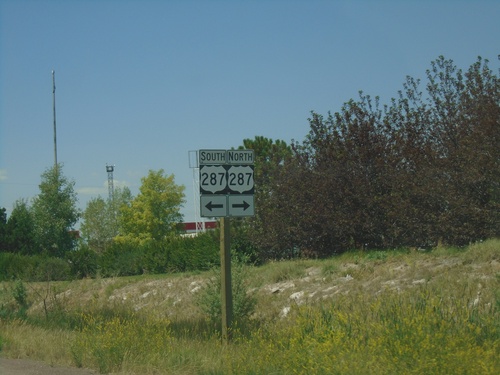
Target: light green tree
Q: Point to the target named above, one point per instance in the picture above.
(97, 230)
(55, 212)
(101, 218)
(155, 212)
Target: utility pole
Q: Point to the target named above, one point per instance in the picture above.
(54, 111)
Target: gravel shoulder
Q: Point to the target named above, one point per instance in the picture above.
(29, 367)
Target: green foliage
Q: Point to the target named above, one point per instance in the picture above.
(174, 254)
(19, 307)
(20, 295)
(256, 236)
(98, 224)
(244, 303)
(411, 332)
(52, 269)
(101, 218)
(83, 261)
(121, 259)
(55, 212)
(3, 229)
(107, 344)
(15, 266)
(33, 268)
(181, 254)
(155, 212)
(20, 230)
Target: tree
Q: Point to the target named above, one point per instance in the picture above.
(101, 218)
(55, 212)
(3, 229)
(155, 212)
(423, 170)
(97, 229)
(21, 229)
(465, 113)
(270, 158)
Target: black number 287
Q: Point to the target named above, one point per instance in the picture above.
(212, 179)
(238, 179)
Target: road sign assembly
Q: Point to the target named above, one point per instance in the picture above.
(226, 183)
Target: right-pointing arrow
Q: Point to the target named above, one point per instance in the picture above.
(243, 205)
(211, 205)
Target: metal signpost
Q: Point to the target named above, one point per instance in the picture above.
(226, 190)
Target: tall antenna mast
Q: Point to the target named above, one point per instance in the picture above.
(54, 110)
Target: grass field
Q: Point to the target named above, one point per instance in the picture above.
(384, 312)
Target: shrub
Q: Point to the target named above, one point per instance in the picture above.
(181, 254)
(51, 269)
(83, 262)
(19, 307)
(33, 268)
(121, 259)
(15, 266)
(209, 299)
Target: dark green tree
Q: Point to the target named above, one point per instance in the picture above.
(21, 230)
(55, 213)
(270, 159)
(3, 229)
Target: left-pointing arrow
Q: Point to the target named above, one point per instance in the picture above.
(211, 205)
(243, 205)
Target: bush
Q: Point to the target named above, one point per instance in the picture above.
(181, 254)
(18, 308)
(83, 262)
(51, 269)
(209, 299)
(121, 259)
(15, 266)
(33, 268)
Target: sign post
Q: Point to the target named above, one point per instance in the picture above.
(226, 190)
(226, 286)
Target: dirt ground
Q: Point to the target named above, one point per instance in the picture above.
(28, 367)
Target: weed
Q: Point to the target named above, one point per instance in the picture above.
(329, 269)
(284, 271)
(19, 307)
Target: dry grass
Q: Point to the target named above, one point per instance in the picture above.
(400, 303)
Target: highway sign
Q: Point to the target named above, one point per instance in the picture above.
(240, 157)
(213, 179)
(226, 183)
(213, 205)
(240, 179)
(212, 157)
(241, 205)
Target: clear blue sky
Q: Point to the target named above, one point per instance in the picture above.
(141, 83)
